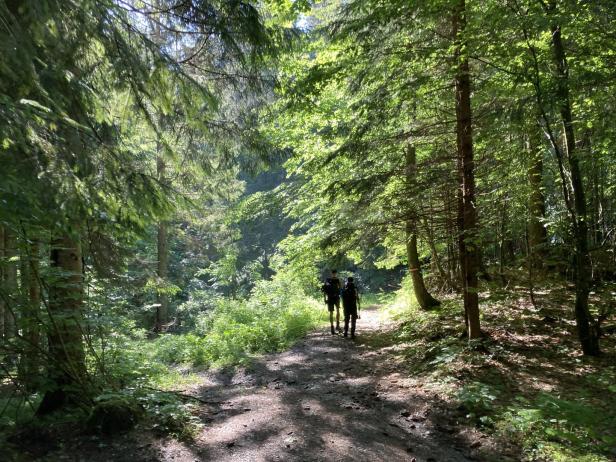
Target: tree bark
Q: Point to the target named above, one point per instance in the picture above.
(501, 244)
(450, 225)
(2, 301)
(162, 308)
(595, 181)
(67, 371)
(30, 323)
(10, 283)
(444, 275)
(588, 330)
(467, 213)
(537, 235)
(423, 297)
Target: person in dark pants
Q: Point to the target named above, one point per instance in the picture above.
(331, 291)
(350, 303)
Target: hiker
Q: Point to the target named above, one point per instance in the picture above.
(350, 303)
(331, 292)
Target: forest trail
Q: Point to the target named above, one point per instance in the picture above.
(326, 399)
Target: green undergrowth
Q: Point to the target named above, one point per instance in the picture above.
(164, 413)
(235, 330)
(377, 298)
(135, 380)
(525, 383)
(229, 334)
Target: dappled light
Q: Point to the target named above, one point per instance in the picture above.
(307, 230)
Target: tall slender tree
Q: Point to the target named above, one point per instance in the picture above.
(423, 297)
(30, 273)
(10, 283)
(66, 324)
(468, 242)
(576, 198)
(162, 266)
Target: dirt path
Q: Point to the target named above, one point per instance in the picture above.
(326, 399)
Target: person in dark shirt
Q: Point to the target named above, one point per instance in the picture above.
(350, 303)
(331, 292)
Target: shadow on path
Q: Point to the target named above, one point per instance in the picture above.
(326, 399)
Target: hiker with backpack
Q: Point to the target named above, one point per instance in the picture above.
(331, 293)
(351, 306)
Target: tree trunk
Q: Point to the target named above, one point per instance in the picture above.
(162, 271)
(2, 301)
(10, 283)
(594, 179)
(67, 371)
(501, 245)
(423, 297)
(450, 224)
(162, 308)
(30, 360)
(587, 328)
(467, 213)
(444, 275)
(537, 236)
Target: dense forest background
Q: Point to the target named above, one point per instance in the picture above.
(178, 177)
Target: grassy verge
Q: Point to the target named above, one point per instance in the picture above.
(235, 330)
(526, 383)
(379, 298)
(231, 333)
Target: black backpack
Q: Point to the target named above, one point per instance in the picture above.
(329, 289)
(348, 293)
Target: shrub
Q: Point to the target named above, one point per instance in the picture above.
(169, 415)
(275, 315)
(114, 413)
(558, 428)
